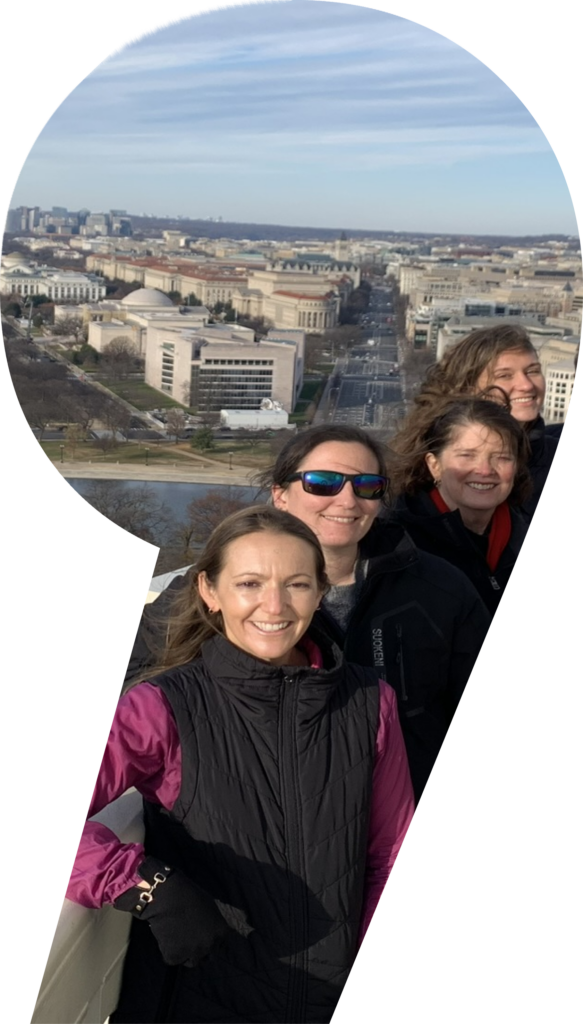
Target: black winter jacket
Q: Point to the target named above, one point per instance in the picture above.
(543, 447)
(444, 534)
(272, 820)
(419, 622)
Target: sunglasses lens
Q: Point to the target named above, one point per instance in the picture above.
(369, 486)
(323, 483)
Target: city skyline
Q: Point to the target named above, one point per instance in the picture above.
(409, 132)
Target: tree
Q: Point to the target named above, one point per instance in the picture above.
(39, 413)
(118, 289)
(135, 509)
(175, 296)
(175, 423)
(193, 300)
(70, 326)
(12, 309)
(415, 366)
(357, 304)
(259, 324)
(116, 417)
(203, 439)
(119, 358)
(206, 513)
(84, 355)
(74, 435)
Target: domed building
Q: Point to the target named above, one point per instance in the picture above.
(147, 298)
(132, 316)
(15, 259)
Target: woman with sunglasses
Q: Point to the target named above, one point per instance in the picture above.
(410, 615)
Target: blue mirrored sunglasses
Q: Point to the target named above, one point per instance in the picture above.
(326, 483)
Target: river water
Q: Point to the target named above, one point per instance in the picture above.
(176, 496)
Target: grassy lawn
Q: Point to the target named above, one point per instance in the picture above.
(309, 390)
(308, 400)
(129, 452)
(139, 394)
(244, 454)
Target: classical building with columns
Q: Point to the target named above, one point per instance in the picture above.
(21, 276)
(294, 294)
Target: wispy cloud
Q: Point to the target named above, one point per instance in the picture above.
(269, 87)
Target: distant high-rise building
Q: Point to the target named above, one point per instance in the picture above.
(98, 224)
(13, 221)
(560, 379)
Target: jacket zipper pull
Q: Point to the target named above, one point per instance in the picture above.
(494, 583)
(401, 662)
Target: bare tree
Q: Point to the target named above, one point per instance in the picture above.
(39, 414)
(74, 435)
(119, 358)
(116, 417)
(175, 423)
(415, 366)
(70, 326)
(135, 509)
(84, 409)
(206, 513)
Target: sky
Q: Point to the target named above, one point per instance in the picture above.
(301, 113)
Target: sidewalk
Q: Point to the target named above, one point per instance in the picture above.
(163, 474)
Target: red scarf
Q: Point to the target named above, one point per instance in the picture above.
(500, 527)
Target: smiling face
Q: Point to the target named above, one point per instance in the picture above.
(475, 470)
(519, 375)
(267, 592)
(340, 521)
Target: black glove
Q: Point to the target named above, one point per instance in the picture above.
(184, 919)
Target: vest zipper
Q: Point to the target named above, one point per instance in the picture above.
(494, 583)
(401, 662)
(296, 996)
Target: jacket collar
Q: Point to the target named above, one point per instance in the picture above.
(388, 547)
(448, 527)
(224, 660)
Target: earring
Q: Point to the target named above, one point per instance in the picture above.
(436, 482)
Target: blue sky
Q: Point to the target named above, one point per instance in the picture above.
(301, 113)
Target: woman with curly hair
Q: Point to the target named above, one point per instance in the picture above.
(462, 479)
(499, 363)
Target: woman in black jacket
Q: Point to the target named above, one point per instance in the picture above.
(463, 476)
(277, 794)
(413, 617)
(491, 362)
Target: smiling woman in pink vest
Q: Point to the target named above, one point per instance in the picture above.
(276, 793)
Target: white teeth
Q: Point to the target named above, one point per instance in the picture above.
(340, 519)
(271, 627)
(482, 487)
(531, 398)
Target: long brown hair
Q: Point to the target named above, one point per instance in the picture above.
(462, 365)
(189, 621)
(432, 429)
